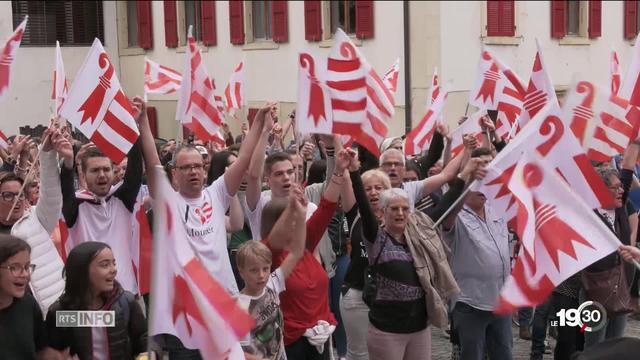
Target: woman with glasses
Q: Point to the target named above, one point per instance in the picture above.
(22, 331)
(90, 274)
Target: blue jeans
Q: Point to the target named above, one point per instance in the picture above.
(478, 329)
(335, 285)
(539, 327)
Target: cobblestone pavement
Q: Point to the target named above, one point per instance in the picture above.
(441, 347)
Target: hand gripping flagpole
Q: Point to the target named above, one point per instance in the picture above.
(29, 173)
(452, 207)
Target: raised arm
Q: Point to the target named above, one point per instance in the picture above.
(627, 166)
(48, 207)
(69, 201)
(149, 152)
(132, 181)
(449, 173)
(369, 222)
(472, 170)
(235, 220)
(256, 166)
(295, 224)
(434, 153)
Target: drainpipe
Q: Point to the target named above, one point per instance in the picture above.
(407, 68)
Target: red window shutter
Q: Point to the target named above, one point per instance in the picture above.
(208, 9)
(313, 20)
(170, 24)
(595, 19)
(630, 19)
(280, 21)
(145, 32)
(558, 19)
(364, 19)
(236, 22)
(152, 115)
(508, 18)
(493, 18)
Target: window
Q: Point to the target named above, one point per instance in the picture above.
(193, 17)
(500, 18)
(576, 19)
(261, 11)
(70, 22)
(132, 24)
(343, 15)
(323, 18)
(631, 19)
(573, 18)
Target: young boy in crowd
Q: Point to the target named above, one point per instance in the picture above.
(284, 219)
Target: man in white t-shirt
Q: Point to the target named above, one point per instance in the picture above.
(203, 209)
(280, 174)
(392, 162)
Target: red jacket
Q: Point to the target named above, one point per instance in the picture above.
(306, 299)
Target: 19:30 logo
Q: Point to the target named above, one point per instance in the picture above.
(589, 316)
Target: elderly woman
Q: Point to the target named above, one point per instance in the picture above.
(355, 312)
(398, 316)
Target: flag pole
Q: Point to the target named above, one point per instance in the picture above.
(453, 206)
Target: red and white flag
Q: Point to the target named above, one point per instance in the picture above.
(631, 86)
(615, 73)
(186, 301)
(549, 136)
(390, 79)
(379, 100)
(8, 55)
(347, 80)
(159, 79)
(4, 142)
(540, 91)
(313, 109)
(97, 106)
(472, 126)
(419, 139)
(234, 92)
(59, 91)
(498, 88)
(434, 91)
(561, 235)
(141, 250)
(196, 108)
(604, 123)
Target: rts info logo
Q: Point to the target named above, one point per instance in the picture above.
(589, 316)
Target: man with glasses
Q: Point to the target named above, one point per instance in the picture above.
(34, 224)
(392, 162)
(103, 212)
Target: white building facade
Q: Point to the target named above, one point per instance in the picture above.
(576, 37)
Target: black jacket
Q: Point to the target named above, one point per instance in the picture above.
(125, 341)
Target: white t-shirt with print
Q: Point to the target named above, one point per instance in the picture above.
(255, 216)
(204, 219)
(266, 339)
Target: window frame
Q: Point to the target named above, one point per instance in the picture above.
(514, 40)
(327, 34)
(100, 27)
(123, 31)
(347, 18)
(267, 19)
(582, 38)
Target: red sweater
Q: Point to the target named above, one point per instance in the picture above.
(306, 299)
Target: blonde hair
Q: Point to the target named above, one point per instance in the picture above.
(375, 174)
(251, 251)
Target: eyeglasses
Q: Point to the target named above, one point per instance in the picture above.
(10, 196)
(616, 187)
(16, 269)
(188, 168)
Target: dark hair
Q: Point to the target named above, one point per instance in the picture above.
(481, 151)
(76, 295)
(11, 245)
(274, 158)
(317, 172)
(92, 152)
(9, 176)
(270, 214)
(411, 165)
(235, 148)
(219, 162)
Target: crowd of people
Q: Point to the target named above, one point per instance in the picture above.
(330, 249)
